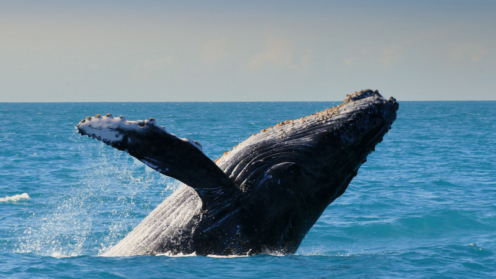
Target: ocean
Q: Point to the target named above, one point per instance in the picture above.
(423, 205)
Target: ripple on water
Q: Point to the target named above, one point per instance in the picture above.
(414, 209)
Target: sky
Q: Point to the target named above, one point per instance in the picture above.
(209, 51)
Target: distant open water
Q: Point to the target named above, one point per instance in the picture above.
(424, 205)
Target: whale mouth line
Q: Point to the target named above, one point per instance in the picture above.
(371, 141)
(386, 126)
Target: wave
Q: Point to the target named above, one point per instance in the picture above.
(180, 255)
(16, 198)
(227, 257)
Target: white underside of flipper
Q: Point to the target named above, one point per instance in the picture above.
(111, 130)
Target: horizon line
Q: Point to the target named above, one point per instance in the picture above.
(66, 102)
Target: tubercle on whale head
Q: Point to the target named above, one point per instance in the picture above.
(356, 128)
(325, 115)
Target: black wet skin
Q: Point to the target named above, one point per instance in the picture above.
(267, 193)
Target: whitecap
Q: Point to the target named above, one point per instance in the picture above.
(180, 255)
(60, 255)
(16, 198)
(227, 257)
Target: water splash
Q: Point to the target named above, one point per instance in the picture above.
(16, 198)
(111, 194)
(180, 255)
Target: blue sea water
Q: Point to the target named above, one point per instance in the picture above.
(422, 206)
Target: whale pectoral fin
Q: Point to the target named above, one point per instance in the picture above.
(181, 159)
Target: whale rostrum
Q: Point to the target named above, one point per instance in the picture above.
(261, 197)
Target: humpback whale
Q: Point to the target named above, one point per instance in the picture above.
(261, 197)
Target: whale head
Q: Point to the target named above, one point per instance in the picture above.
(297, 168)
(329, 146)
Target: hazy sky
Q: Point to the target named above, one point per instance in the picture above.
(246, 50)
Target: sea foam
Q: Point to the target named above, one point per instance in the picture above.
(16, 198)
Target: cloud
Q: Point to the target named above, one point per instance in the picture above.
(467, 51)
(392, 54)
(215, 50)
(348, 62)
(307, 58)
(157, 63)
(278, 52)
